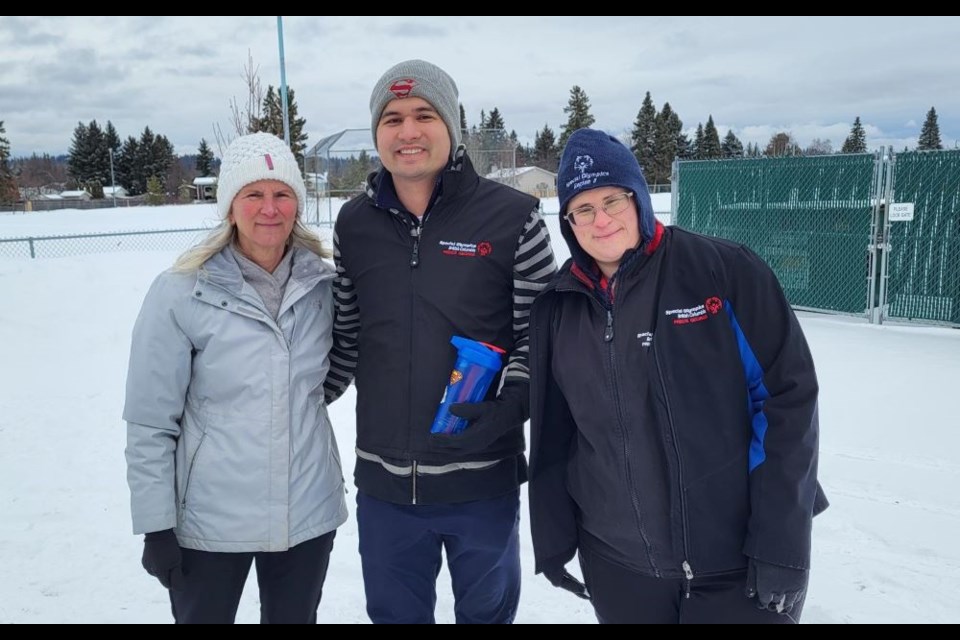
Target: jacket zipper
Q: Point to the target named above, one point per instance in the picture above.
(608, 338)
(685, 565)
(415, 232)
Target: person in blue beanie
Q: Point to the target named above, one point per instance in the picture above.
(673, 408)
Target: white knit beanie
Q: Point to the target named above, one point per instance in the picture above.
(253, 157)
(418, 79)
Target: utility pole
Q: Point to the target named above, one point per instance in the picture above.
(283, 83)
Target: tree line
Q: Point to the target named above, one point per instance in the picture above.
(147, 165)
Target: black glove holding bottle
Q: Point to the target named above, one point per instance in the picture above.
(162, 558)
(488, 420)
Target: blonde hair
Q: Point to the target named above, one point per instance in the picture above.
(225, 233)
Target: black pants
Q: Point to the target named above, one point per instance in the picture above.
(291, 583)
(621, 596)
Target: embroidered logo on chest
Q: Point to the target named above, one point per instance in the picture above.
(698, 313)
(465, 249)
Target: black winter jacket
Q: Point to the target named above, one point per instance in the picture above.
(472, 267)
(674, 430)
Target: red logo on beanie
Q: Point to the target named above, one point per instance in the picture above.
(402, 87)
(269, 161)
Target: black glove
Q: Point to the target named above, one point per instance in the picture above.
(488, 420)
(776, 588)
(162, 558)
(560, 577)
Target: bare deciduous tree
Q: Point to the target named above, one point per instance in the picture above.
(246, 119)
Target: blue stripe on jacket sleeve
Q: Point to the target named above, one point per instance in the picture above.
(757, 393)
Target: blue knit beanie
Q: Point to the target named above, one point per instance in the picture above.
(595, 159)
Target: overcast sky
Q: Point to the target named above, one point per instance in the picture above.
(809, 76)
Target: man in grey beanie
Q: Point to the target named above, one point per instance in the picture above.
(432, 251)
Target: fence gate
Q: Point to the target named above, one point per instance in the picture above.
(921, 264)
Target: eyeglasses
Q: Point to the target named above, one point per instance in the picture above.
(612, 206)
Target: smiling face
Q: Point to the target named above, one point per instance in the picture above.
(608, 237)
(412, 140)
(264, 213)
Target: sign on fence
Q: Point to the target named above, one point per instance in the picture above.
(901, 212)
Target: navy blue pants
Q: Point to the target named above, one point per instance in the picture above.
(291, 583)
(621, 596)
(400, 550)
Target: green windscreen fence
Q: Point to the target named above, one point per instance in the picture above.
(924, 253)
(809, 218)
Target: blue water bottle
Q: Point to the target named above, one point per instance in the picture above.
(477, 365)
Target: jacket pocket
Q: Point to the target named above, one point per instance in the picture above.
(192, 463)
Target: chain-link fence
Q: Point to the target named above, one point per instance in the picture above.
(808, 217)
(870, 234)
(84, 244)
(923, 237)
(73, 245)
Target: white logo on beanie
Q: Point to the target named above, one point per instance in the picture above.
(583, 164)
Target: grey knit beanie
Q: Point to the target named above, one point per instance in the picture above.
(253, 157)
(418, 79)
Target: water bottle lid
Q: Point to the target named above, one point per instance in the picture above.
(480, 353)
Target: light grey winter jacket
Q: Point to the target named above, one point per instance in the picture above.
(228, 437)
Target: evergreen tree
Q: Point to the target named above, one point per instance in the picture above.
(578, 115)
(8, 184)
(99, 155)
(856, 142)
(463, 121)
(731, 147)
(698, 143)
(204, 159)
(111, 138)
(930, 133)
(545, 153)
(495, 131)
(77, 155)
(668, 126)
(711, 141)
(685, 149)
(89, 155)
(155, 193)
(643, 138)
(126, 167)
(272, 120)
(112, 141)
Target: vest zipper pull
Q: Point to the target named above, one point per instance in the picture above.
(415, 258)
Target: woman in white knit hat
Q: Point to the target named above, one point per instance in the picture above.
(231, 458)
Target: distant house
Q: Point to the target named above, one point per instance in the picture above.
(206, 187)
(115, 192)
(75, 195)
(533, 180)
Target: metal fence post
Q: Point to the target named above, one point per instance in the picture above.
(889, 195)
(674, 189)
(32, 253)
